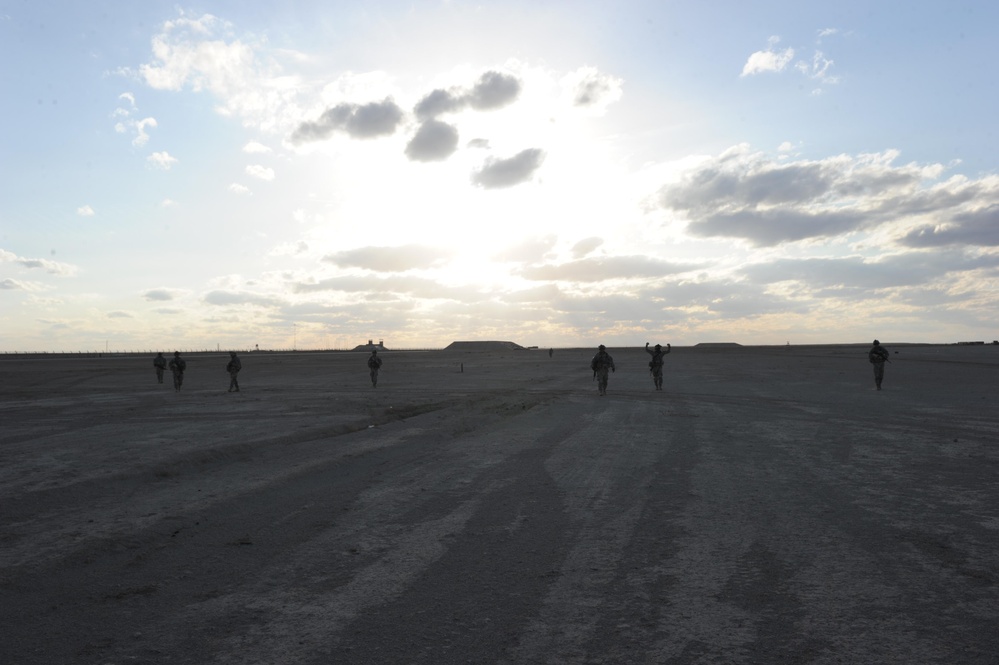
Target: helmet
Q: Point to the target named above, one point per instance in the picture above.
(602, 347)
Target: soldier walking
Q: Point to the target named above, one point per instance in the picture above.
(374, 364)
(656, 364)
(233, 367)
(177, 366)
(601, 364)
(878, 355)
(159, 362)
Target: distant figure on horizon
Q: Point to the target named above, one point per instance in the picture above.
(159, 362)
(374, 364)
(656, 364)
(601, 364)
(177, 366)
(233, 367)
(878, 355)
(550, 352)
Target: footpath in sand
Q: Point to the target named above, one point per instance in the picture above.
(768, 507)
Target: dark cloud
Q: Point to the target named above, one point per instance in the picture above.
(601, 269)
(362, 121)
(979, 227)
(391, 259)
(773, 226)
(119, 315)
(478, 143)
(438, 103)
(226, 298)
(854, 272)
(493, 90)
(159, 295)
(433, 141)
(767, 202)
(497, 173)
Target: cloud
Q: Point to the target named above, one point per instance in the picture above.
(492, 90)
(118, 314)
(364, 121)
(585, 246)
(162, 294)
(185, 55)
(602, 269)
(290, 249)
(433, 141)
(391, 287)
(9, 284)
(260, 172)
(49, 266)
(855, 272)
(254, 147)
(162, 160)
(588, 88)
(769, 60)
(529, 251)
(496, 173)
(223, 298)
(768, 201)
(85, 211)
(168, 203)
(237, 188)
(391, 259)
(975, 227)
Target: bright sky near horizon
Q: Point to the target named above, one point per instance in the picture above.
(317, 174)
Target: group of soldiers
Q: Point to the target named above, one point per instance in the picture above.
(602, 365)
(178, 365)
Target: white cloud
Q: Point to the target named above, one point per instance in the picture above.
(49, 266)
(163, 294)
(237, 188)
(162, 160)
(253, 147)
(168, 203)
(85, 211)
(260, 172)
(769, 60)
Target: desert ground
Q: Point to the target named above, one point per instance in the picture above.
(769, 506)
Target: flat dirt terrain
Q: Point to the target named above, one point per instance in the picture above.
(769, 506)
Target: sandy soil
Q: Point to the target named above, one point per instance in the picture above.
(768, 507)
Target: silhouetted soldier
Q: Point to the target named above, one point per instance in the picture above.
(159, 362)
(601, 364)
(233, 367)
(656, 364)
(374, 364)
(177, 366)
(878, 355)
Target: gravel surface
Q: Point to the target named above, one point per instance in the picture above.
(769, 506)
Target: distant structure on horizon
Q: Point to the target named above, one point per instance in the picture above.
(721, 344)
(483, 346)
(371, 346)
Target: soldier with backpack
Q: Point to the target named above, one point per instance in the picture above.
(159, 362)
(374, 364)
(878, 355)
(601, 364)
(656, 364)
(177, 366)
(233, 367)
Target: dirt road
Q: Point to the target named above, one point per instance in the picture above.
(768, 507)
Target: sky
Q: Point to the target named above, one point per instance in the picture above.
(304, 174)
